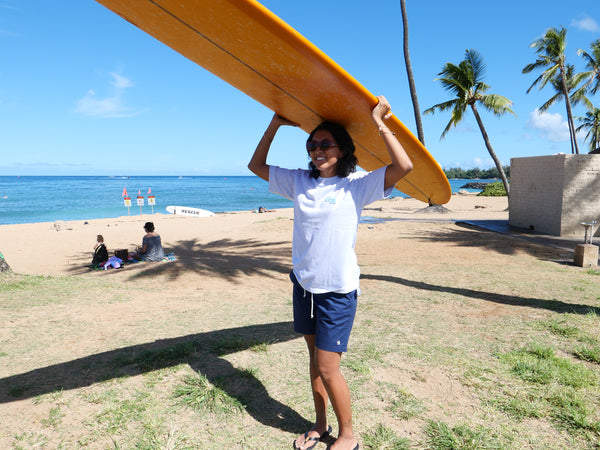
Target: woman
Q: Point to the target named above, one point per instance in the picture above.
(328, 200)
(100, 251)
(151, 249)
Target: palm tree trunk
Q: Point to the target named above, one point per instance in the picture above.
(409, 72)
(570, 121)
(490, 149)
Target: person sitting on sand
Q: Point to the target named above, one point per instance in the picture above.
(151, 249)
(328, 200)
(100, 251)
(262, 209)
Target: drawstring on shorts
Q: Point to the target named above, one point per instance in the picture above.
(312, 304)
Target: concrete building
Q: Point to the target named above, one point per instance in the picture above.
(554, 194)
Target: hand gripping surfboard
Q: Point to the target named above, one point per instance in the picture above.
(249, 47)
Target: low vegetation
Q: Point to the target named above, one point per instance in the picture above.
(445, 354)
(495, 189)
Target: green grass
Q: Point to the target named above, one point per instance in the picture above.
(556, 388)
(119, 413)
(562, 328)
(197, 393)
(446, 353)
(404, 405)
(588, 353)
(441, 436)
(538, 364)
(383, 438)
(156, 359)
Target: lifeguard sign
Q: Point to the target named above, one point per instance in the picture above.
(126, 201)
(151, 199)
(151, 202)
(140, 200)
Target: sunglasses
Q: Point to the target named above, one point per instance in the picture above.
(324, 145)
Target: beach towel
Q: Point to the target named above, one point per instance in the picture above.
(113, 261)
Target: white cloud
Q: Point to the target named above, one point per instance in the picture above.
(120, 82)
(549, 126)
(112, 106)
(482, 163)
(586, 23)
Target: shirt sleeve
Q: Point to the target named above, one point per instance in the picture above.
(281, 181)
(371, 187)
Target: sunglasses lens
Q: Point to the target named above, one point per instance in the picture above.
(311, 146)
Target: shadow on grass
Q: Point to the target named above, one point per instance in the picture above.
(529, 302)
(224, 258)
(201, 351)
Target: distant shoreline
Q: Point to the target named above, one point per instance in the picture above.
(40, 199)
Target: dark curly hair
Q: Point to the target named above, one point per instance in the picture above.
(347, 163)
(149, 227)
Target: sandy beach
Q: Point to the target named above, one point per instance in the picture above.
(60, 248)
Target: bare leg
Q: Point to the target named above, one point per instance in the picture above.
(320, 397)
(328, 368)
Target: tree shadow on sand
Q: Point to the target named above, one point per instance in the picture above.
(202, 351)
(477, 236)
(529, 302)
(225, 258)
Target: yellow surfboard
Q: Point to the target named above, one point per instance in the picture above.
(249, 47)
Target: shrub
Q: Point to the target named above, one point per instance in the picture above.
(495, 189)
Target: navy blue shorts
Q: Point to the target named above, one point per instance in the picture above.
(333, 316)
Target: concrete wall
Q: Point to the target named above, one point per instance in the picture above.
(554, 194)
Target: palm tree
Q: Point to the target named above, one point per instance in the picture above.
(409, 72)
(592, 63)
(591, 124)
(551, 55)
(573, 80)
(466, 82)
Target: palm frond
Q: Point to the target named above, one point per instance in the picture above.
(497, 104)
(591, 123)
(551, 101)
(456, 118)
(474, 59)
(441, 107)
(593, 63)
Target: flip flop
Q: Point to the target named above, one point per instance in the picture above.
(313, 438)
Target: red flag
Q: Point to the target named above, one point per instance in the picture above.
(124, 192)
(149, 191)
(139, 192)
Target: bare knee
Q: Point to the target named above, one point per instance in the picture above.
(328, 364)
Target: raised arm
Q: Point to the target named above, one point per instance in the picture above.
(258, 164)
(401, 164)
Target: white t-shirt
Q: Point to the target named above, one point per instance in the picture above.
(326, 214)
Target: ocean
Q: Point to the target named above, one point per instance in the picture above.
(31, 199)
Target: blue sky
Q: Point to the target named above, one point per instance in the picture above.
(83, 92)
